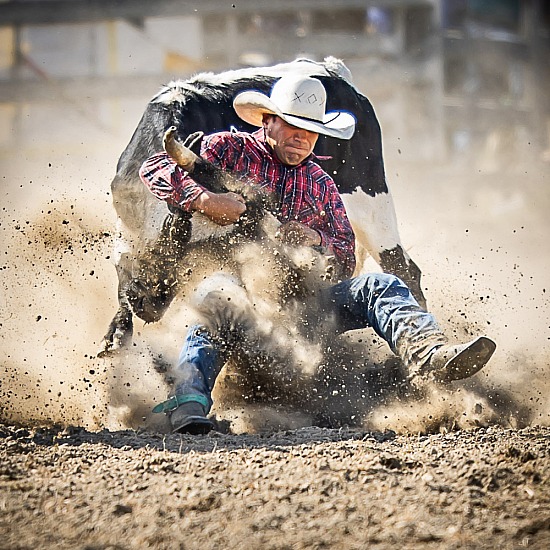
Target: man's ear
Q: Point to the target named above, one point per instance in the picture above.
(266, 117)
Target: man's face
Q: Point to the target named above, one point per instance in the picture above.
(291, 145)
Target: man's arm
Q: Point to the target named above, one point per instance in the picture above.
(322, 220)
(337, 234)
(294, 232)
(169, 182)
(338, 238)
(221, 208)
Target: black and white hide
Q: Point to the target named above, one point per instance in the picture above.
(153, 243)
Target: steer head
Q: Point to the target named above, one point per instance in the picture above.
(158, 271)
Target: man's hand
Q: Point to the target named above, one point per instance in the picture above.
(297, 233)
(221, 208)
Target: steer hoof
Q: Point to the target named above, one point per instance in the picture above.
(119, 333)
(106, 349)
(111, 345)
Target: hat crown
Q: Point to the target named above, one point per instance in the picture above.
(300, 101)
(300, 97)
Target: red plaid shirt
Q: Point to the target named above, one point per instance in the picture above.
(308, 194)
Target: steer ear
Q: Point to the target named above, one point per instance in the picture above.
(193, 141)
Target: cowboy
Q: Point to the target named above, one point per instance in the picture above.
(279, 156)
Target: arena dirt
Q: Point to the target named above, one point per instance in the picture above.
(84, 463)
(306, 488)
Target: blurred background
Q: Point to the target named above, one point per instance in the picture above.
(460, 88)
(452, 79)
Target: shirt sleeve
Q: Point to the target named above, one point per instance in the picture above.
(170, 183)
(223, 149)
(337, 234)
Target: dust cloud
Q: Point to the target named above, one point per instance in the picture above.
(478, 232)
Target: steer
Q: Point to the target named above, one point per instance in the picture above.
(151, 240)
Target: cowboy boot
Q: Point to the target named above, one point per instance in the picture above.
(190, 418)
(187, 413)
(456, 362)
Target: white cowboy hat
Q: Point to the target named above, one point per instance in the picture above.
(301, 102)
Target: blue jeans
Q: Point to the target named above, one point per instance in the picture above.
(377, 300)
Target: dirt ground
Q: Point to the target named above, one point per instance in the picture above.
(306, 488)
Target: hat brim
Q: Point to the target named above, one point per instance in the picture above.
(251, 106)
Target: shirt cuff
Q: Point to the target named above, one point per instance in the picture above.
(189, 195)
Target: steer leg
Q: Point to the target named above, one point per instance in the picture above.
(121, 328)
(375, 225)
(119, 332)
(397, 262)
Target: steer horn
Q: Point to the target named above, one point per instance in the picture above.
(179, 152)
(213, 177)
